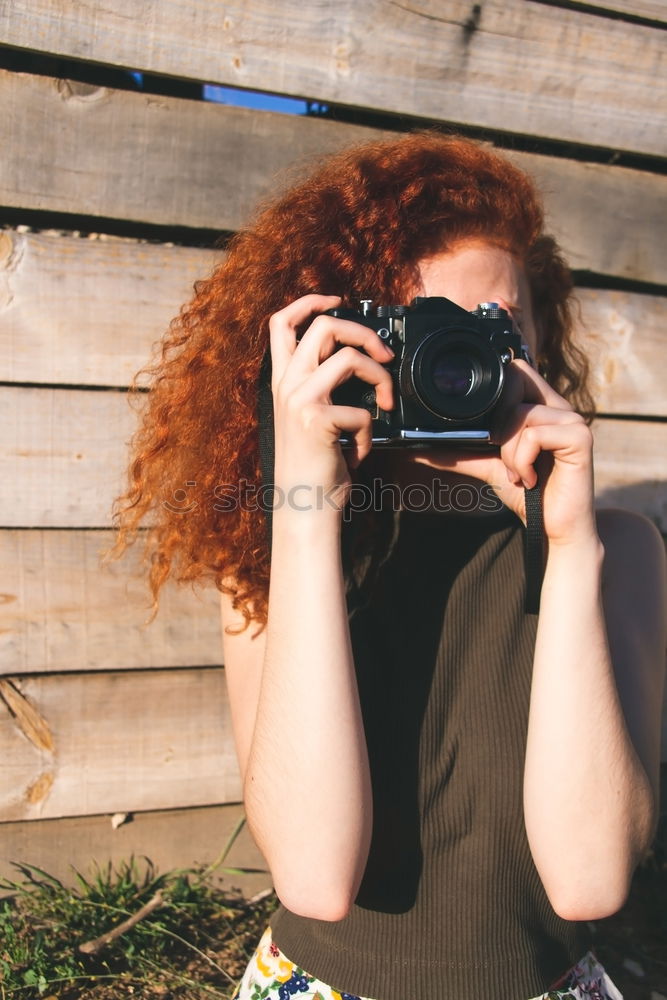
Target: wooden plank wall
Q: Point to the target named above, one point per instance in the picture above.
(550, 71)
(100, 714)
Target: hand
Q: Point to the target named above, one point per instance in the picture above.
(541, 433)
(305, 373)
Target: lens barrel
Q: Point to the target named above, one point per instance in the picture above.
(454, 373)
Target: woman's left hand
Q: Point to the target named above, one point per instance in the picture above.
(540, 435)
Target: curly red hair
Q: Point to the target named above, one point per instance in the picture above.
(357, 227)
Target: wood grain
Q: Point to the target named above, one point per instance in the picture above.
(134, 740)
(87, 312)
(62, 455)
(654, 10)
(623, 336)
(530, 68)
(71, 147)
(603, 216)
(61, 610)
(631, 467)
(174, 838)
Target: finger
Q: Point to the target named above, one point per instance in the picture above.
(534, 389)
(531, 414)
(284, 324)
(325, 333)
(508, 434)
(569, 442)
(524, 416)
(523, 385)
(357, 422)
(341, 366)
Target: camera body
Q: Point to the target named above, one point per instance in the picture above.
(448, 371)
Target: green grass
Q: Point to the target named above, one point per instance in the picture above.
(194, 944)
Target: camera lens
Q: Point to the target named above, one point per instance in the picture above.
(452, 374)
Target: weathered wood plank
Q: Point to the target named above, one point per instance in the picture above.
(86, 312)
(60, 610)
(174, 838)
(631, 467)
(601, 215)
(121, 742)
(654, 10)
(527, 67)
(62, 152)
(62, 455)
(71, 147)
(624, 337)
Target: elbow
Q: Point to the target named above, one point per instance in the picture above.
(591, 899)
(569, 907)
(310, 887)
(314, 878)
(332, 904)
(306, 884)
(592, 881)
(589, 885)
(316, 874)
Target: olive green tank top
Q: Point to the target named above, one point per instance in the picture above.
(451, 906)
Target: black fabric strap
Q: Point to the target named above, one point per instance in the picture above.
(266, 439)
(534, 549)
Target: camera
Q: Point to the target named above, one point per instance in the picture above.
(448, 371)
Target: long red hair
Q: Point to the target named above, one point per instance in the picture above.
(357, 227)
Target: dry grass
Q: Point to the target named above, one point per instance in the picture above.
(191, 941)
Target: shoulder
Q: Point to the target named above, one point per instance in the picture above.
(619, 522)
(634, 595)
(632, 543)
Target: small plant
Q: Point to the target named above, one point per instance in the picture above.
(124, 931)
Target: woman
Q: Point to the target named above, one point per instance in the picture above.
(445, 788)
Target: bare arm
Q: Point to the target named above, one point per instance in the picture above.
(293, 691)
(592, 762)
(298, 728)
(590, 783)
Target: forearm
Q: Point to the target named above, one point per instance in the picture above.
(307, 785)
(589, 806)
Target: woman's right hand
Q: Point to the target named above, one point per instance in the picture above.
(308, 426)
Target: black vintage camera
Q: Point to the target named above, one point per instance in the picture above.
(448, 372)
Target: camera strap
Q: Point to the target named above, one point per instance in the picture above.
(266, 440)
(533, 553)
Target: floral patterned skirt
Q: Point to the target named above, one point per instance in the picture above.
(271, 976)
